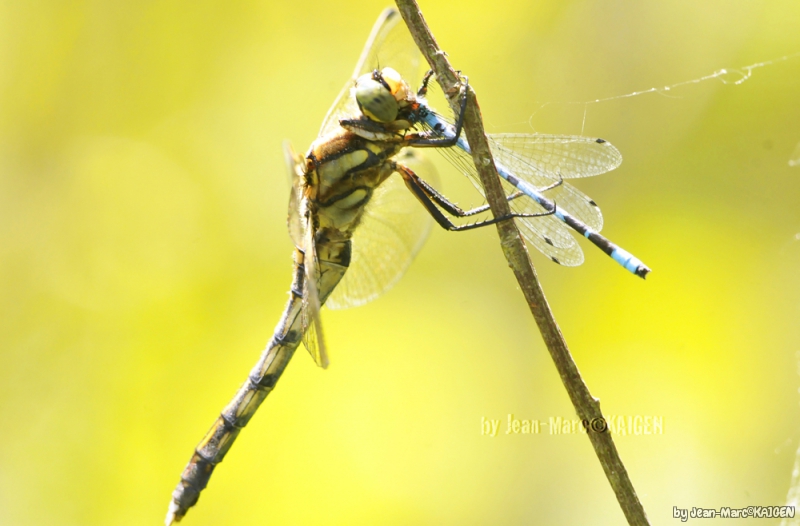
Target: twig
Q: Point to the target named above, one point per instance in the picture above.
(586, 406)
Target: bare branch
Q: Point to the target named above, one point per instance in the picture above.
(586, 406)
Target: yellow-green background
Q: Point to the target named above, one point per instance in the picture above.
(144, 261)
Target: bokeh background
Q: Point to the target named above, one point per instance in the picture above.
(144, 261)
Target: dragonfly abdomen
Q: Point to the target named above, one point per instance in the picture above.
(334, 258)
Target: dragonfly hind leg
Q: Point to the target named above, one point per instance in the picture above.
(452, 208)
(429, 198)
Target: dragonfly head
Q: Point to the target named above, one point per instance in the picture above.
(382, 94)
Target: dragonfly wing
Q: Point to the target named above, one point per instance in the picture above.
(389, 44)
(566, 196)
(312, 327)
(295, 165)
(311, 341)
(535, 232)
(547, 233)
(560, 156)
(578, 204)
(392, 230)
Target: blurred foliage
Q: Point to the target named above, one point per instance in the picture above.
(144, 260)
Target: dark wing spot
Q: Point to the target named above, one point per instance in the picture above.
(554, 259)
(591, 202)
(548, 240)
(600, 141)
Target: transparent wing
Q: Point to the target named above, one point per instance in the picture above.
(389, 44)
(560, 156)
(311, 341)
(543, 160)
(566, 196)
(547, 233)
(295, 165)
(393, 229)
(312, 327)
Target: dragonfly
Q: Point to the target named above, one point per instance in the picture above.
(360, 210)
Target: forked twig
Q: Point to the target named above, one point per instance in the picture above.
(586, 406)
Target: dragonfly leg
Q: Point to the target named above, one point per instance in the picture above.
(452, 208)
(554, 185)
(423, 89)
(421, 191)
(436, 139)
(369, 129)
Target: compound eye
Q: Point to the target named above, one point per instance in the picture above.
(375, 101)
(397, 85)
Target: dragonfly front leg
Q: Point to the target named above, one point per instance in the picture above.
(435, 139)
(423, 89)
(430, 198)
(371, 130)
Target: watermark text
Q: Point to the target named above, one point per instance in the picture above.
(748, 512)
(621, 425)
